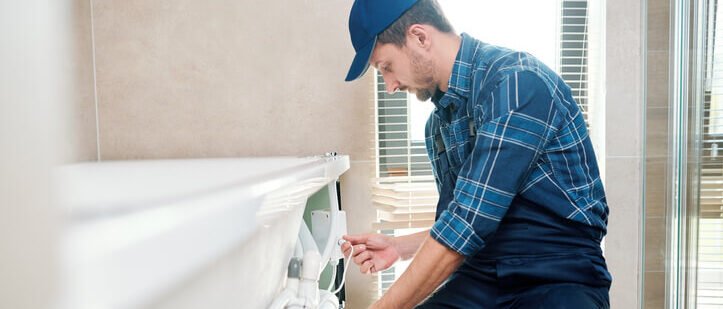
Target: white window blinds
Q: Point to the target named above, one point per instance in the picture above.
(404, 202)
(573, 59)
(404, 192)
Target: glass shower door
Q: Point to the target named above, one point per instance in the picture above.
(709, 271)
(683, 264)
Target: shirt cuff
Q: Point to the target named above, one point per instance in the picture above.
(457, 234)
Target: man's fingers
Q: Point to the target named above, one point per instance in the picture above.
(356, 239)
(358, 249)
(366, 266)
(346, 248)
(359, 259)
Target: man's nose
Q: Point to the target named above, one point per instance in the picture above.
(392, 86)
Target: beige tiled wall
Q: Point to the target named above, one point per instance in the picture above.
(657, 107)
(220, 78)
(228, 78)
(624, 108)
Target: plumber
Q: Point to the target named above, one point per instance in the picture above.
(521, 209)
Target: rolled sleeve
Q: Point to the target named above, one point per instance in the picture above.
(456, 234)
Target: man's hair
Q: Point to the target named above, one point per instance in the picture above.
(426, 12)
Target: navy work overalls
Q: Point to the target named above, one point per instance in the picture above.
(536, 258)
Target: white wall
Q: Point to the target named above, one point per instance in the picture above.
(36, 93)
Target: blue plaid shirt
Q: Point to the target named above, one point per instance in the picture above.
(507, 127)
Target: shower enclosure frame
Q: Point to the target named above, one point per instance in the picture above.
(687, 46)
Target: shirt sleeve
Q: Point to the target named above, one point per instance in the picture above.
(524, 118)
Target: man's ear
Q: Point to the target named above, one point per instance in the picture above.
(418, 35)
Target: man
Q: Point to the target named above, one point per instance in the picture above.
(521, 209)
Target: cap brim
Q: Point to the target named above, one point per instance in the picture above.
(361, 61)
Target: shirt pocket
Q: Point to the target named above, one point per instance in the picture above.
(462, 134)
(447, 138)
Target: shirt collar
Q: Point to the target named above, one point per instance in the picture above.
(459, 81)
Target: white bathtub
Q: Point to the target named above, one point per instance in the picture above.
(211, 233)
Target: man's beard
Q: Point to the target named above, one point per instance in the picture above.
(423, 70)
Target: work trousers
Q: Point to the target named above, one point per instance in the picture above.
(536, 259)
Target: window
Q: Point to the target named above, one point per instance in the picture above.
(572, 62)
(710, 223)
(404, 192)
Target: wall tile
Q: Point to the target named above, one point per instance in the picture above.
(656, 187)
(657, 167)
(654, 290)
(228, 78)
(622, 244)
(623, 102)
(624, 138)
(655, 237)
(658, 28)
(656, 139)
(624, 142)
(658, 76)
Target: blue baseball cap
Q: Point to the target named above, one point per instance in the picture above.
(367, 20)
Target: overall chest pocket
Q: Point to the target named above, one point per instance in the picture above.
(458, 138)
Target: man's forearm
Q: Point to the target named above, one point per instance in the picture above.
(408, 245)
(433, 264)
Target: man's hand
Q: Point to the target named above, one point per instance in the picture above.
(433, 264)
(372, 252)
